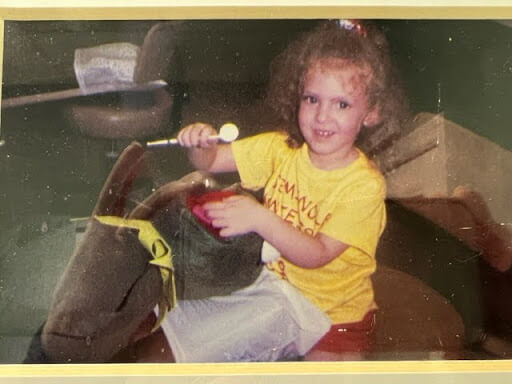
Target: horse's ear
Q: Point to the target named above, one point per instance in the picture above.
(163, 195)
(112, 198)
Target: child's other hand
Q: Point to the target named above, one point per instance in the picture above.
(197, 135)
(235, 215)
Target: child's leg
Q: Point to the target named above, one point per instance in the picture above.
(345, 342)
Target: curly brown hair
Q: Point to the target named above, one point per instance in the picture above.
(364, 45)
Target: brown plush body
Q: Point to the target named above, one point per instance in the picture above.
(109, 287)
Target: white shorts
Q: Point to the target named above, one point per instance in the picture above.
(266, 321)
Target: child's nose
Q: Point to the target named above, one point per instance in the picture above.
(322, 113)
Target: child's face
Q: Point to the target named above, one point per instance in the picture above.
(332, 109)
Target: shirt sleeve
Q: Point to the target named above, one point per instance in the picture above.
(256, 157)
(358, 219)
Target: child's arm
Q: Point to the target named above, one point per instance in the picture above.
(240, 214)
(298, 247)
(205, 154)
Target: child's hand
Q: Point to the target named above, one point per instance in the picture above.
(235, 215)
(197, 135)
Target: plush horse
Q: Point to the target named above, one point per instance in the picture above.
(129, 262)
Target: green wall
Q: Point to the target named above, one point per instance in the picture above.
(460, 67)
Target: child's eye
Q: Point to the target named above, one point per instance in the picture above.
(343, 105)
(309, 99)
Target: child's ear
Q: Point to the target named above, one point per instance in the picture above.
(372, 118)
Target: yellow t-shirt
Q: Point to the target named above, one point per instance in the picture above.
(346, 204)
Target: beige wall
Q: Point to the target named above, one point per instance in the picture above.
(459, 157)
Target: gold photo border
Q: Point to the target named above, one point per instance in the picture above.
(382, 372)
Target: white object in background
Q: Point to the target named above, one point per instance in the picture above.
(99, 69)
(107, 65)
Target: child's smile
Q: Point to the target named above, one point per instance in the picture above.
(332, 110)
(323, 133)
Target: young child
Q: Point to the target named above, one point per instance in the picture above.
(323, 209)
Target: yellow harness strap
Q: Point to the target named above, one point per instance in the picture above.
(151, 239)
